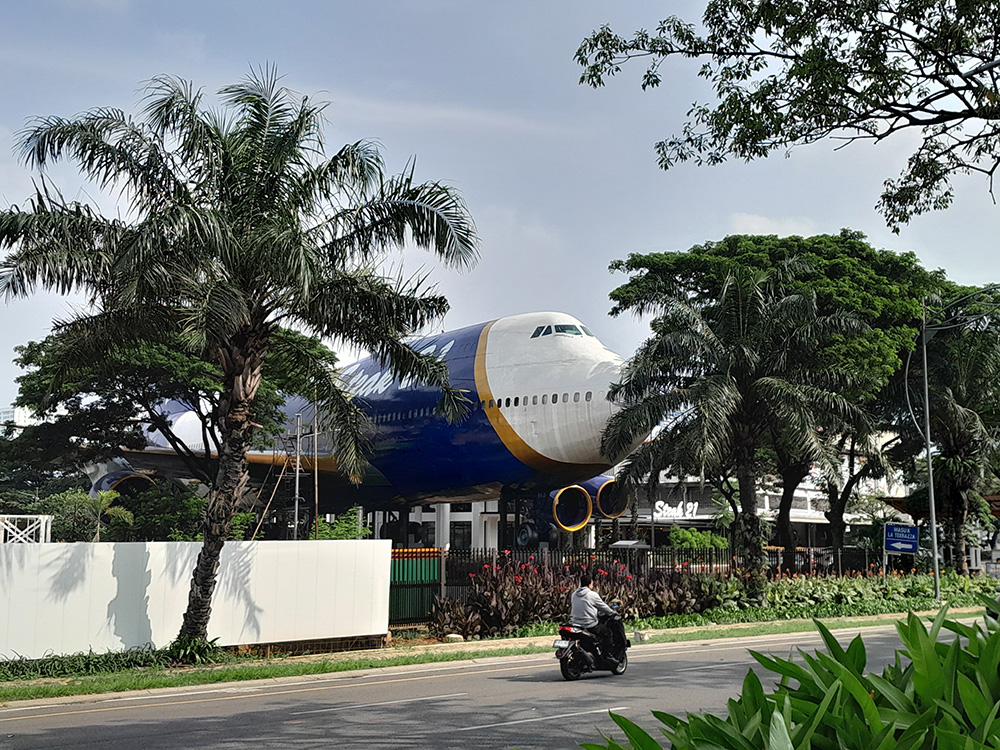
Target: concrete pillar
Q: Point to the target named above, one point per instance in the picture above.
(442, 525)
(479, 526)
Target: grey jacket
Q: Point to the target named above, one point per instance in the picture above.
(586, 604)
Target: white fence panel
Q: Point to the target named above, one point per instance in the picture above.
(65, 598)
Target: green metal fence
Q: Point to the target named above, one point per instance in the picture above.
(415, 579)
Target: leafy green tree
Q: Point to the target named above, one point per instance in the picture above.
(790, 73)
(78, 517)
(721, 376)
(96, 405)
(237, 224)
(164, 513)
(845, 273)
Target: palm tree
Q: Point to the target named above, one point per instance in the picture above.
(236, 223)
(721, 378)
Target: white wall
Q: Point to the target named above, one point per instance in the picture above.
(65, 598)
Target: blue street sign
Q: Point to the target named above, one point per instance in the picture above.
(900, 539)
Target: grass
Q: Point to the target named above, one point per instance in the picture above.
(159, 677)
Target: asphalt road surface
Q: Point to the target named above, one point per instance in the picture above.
(510, 702)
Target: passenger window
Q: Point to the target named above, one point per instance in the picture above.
(588, 396)
(507, 402)
(576, 397)
(482, 404)
(538, 332)
(515, 400)
(565, 398)
(555, 398)
(491, 403)
(545, 399)
(534, 400)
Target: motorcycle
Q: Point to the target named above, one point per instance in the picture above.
(578, 650)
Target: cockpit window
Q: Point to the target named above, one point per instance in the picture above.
(568, 329)
(545, 331)
(587, 331)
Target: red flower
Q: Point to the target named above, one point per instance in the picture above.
(472, 575)
(531, 557)
(518, 579)
(628, 578)
(486, 566)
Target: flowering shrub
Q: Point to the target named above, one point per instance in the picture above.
(512, 596)
(508, 596)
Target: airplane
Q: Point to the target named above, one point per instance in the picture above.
(538, 383)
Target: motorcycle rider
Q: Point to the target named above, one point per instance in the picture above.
(586, 603)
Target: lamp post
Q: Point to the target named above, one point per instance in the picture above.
(926, 332)
(298, 464)
(930, 463)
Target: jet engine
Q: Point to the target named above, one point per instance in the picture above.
(609, 501)
(571, 507)
(116, 474)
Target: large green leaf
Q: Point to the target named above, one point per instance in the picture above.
(638, 738)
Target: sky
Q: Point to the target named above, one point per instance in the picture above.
(561, 179)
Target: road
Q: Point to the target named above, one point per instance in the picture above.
(510, 702)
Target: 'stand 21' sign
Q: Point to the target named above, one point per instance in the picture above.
(663, 509)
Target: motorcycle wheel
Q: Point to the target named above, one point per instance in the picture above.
(570, 668)
(622, 665)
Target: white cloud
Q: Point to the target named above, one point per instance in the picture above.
(756, 224)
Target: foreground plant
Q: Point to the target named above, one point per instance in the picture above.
(935, 695)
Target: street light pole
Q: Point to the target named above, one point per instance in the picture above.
(930, 463)
(298, 459)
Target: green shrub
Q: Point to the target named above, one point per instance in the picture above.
(73, 665)
(686, 538)
(507, 597)
(934, 695)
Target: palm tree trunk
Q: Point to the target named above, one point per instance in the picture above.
(230, 482)
(748, 533)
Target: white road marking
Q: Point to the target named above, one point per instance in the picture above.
(703, 667)
(541, 718)
(383, 703)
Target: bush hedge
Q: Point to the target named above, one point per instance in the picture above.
(508, 599)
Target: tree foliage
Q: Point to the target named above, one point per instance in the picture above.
(96, 404)
(721, 376)
(792, 72)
